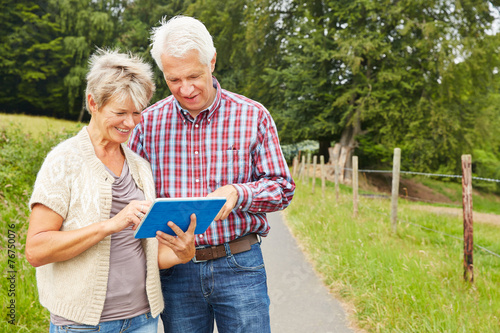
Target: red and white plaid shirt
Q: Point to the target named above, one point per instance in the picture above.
(235, 142)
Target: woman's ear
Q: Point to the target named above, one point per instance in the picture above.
(91, 103)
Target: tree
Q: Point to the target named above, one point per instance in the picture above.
(85, 26)
(247, 36)
(386, 73)
(31, 63)
(139, 17)
(45, 48)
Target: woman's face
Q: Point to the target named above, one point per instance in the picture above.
(116, 120)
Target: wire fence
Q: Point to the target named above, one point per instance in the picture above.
(303, 167)
(425, 174)
(434, 175)
(435, 231)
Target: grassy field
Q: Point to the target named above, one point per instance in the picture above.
(24, 143)
(37, 126)
(409, 281)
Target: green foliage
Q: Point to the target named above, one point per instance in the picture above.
(85, 26)
(375, 75)
(487, 164)
(134, 31)
(392, 74)
(409, 281)
(31, 61)
(247, 36)
(21, 155)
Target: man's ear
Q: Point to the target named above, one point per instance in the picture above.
(212, 62)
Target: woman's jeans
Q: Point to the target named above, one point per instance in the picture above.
(232, 290)
(141, 324)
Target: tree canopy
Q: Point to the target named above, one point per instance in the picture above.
(379, 74)
(370, 74)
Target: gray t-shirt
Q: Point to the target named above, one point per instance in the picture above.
(126, 293)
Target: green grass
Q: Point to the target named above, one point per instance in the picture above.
(408, 281)
(411, 281)
(38, 126)
(23, 147)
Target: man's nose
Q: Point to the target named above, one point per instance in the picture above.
(187, 89)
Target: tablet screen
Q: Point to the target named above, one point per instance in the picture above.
(179, 210)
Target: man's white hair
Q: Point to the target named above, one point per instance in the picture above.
(180, 35)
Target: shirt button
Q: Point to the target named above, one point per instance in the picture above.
(196, 152)
(197, 180)
(201, 236)
(241, 207)
(260, 209)
(196, 126)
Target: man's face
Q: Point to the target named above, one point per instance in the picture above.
(190, 81)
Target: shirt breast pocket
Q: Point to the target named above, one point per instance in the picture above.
(229, 167)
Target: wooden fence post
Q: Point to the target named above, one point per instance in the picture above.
(337, 172)
(302, 168)
(344, 152)
(299, 154)
(468, 221)
(395, 188)
(315, 159)
(355, 185)
(322, 162)
(307, 170)
(295, 166)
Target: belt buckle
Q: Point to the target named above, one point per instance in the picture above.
(196, 261)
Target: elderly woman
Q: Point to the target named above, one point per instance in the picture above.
(90, 194)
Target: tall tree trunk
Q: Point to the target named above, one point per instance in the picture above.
(348, 142)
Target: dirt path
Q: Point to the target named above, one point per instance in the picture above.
(477, 217)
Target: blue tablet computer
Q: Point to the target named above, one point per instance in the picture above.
(179, 210)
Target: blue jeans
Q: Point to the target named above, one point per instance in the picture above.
(232, 290)
(141, 324)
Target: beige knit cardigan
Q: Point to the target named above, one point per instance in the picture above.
(74, 183)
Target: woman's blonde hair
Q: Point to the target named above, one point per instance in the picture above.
(117, 76)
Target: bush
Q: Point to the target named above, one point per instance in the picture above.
(292, 150)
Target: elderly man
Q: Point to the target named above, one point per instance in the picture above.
(206, 141)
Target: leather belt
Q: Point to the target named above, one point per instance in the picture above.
(237, 245)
